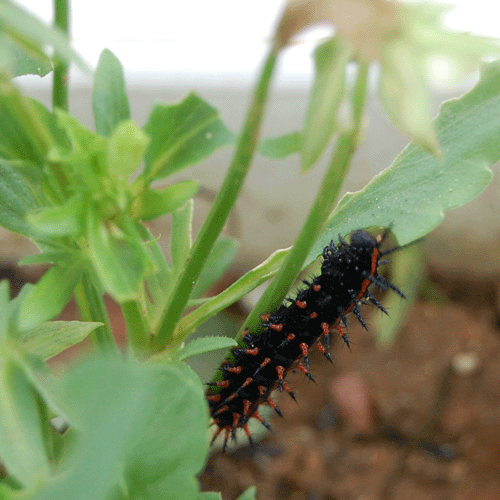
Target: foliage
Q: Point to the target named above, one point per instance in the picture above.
(136, 424)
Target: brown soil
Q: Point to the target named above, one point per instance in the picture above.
(418, 421)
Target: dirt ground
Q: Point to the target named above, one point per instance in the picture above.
(419, 421)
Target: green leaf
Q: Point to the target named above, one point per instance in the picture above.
(151, 203)
(25, 60)
(411, 195)
(50, 125)
(16, 200)
(202, 345)
(181, 135)
(61, 220)
(420, 51)
(197, 302)
(222, 254)
(48, 257)
(174, 444)
(119, 258)
(331, 58)
(32, 175)
(47, 387)
(49, 296)
(85, 161)
(230, 295)
(248, 494)
(108, 419)
(53, 337)
(109, 98)
(405, 96)
(22, 448)
(26, 128)
(281, 147)
(81, 138)
(26, 30)
(178, 487)
(126, 148)
(209, 495)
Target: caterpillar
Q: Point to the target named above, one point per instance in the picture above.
(261, 365)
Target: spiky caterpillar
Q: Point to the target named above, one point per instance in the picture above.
(347, 272)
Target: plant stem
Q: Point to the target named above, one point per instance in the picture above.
(220, 210)
(60, 82)
(137, 330)
(320, 211)
(92, 308)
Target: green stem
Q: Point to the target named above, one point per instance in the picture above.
(60, 82)
(92, 308)
(320, 211)
(220, 210)
(137, 330)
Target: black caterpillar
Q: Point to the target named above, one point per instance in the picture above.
(290, 332)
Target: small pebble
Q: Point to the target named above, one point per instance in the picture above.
(466, 363)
